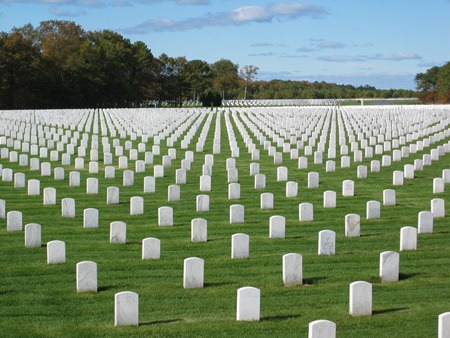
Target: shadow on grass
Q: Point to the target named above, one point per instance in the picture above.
(277, 318)
(167, 321)
(106, 288)
(207, 285)
(403, 276)
(380, 312)
(313, 280)
(371, 235)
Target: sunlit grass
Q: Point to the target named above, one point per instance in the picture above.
(40, 300)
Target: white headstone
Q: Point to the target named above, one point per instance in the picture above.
(305, 212)
(74, 179)
(202, 203)
(375, 166)
(266, 201)
(322, 329)
(126, 309)
(199, 230)
(118, 232)
(329, 199)
(260, 181)
(292, 269)
(92, 185)
(56, 252)
(425, 222)
(302, 162)
(19, 180)
(158, 171)
(237, 213)
(373, 209)
(33, 235)
(165, 216)
(330, 166)
(254, 169)
(397, 177)
(151, 248)
(68, 207)
(86, 276)
(193, 274)
(205, 183)
(128, 178)
(34, 187)
(14, 221)
(291, 189)
(282, 174)
(90, 218)
(438, 185)
(327, 242)
(240, 246)
(360, 299)
(408, 238)
(444, 325)
(389, 266)
(408, 171)
(352, 225)
(234, 191)
(149, 184)
(173, 193)
(348, 188)
(438, 207)
(2, 209)
(112, 195)
(277, 226)
(313, 179)
(389, 197)
(136, 205)
(248, 304)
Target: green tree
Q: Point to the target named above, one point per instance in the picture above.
(225, 76)
(172, 84)
(60, 43)
(443, 83)
(197, 76)
(247, 74)
(19, 71)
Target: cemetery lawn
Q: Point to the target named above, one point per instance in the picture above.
(40, 300)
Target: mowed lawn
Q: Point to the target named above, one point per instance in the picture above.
(41, 300)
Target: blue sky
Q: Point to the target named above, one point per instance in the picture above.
(382, 43)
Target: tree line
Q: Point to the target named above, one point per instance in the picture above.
(58, 64)
(434, 84)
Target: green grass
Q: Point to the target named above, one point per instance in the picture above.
(40, 300)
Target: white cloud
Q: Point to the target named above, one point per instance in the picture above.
(330, 44)
(237, 16)
(193, 2)
(263, 54)
(65, 13)
(399, 56)
(340, 58)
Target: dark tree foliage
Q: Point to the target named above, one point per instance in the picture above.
(60, 65)
(210, 98)
(434, 84)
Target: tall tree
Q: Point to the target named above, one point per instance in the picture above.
(60, 43)
(225, 75)
(427, 81)
(171, 77)
(198, 75)
(443, 83)
(248, 74)
(19, 71)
